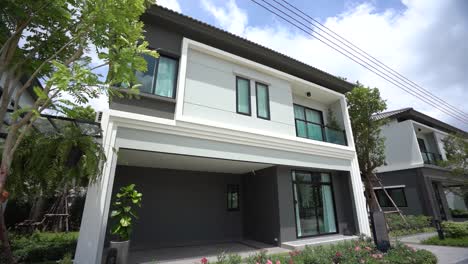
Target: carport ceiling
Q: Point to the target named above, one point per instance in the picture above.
(150, 159)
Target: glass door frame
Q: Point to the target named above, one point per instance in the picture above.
(317, 184)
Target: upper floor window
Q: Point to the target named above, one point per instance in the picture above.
(309, 123)
(263, 100)
(160, 77)
(243, 96)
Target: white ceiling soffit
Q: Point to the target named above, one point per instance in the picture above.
(149, 159)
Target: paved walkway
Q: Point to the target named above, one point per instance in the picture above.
(445, 255)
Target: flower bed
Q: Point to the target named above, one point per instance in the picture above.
(347, 252)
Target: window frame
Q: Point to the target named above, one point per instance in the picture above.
(322, 125)
(316, 184)
(390, 191)
(267, 98)
(230, 189)
(237, 96)
(155, 74)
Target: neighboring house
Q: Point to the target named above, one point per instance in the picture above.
(228, 142)
(411, 175)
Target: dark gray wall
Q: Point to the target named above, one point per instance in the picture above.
(415, 196)
(344, 202)
(146, 105)
(181, 207)
(166, 42)
(345, 213)
(419, 191)
(260, 209)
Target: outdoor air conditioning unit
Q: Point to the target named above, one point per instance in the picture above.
(98, 117)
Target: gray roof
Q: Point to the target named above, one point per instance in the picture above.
(218, 38)
(409, 113)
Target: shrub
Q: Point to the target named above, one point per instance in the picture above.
(415, 224)
(448, 241)
(455, 229)
(457, 213)
(43, 246)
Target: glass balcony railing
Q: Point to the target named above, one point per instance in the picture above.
(431, 158)
(335, 136)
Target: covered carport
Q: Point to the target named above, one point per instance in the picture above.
(186, 204)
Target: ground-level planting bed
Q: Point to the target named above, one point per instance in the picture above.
(456, 235)
(449, 241)
(347, 252)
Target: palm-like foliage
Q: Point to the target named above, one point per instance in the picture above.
(41, 163)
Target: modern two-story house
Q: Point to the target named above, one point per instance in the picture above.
(411, 173)
(229, 142)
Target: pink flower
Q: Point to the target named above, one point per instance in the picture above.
(357, 248)
(269, 262)
(278, 262)
(362, 261)
(338, 254)
(204, 260)
(368, 248)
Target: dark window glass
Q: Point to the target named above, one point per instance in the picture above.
(309, 123)
(263, 101)
(233, 197)
(160, 77)
(397, 194)
(243, 96)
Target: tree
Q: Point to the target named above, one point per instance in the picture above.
(363, 103)
(456, 149)
(49, 41)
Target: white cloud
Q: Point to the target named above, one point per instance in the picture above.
(232, 18)
(171, 4)
(425, 42)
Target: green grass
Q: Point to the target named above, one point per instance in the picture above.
(448, 241)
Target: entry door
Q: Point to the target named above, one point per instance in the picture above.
(314, 205)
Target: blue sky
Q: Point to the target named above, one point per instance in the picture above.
(319, 9)
(425, 40)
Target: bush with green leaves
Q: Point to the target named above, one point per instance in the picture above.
(414, 224)
(127, 198)
(457, 213)
(455, 229)
(43, 246)
(448, 241)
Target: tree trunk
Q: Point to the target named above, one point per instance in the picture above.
(4, 172)
(371, 198)
(5, 243)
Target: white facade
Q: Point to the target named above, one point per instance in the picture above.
(402, 150)
(206, 125)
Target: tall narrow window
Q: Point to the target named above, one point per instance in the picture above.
(309, 123)
(243, 96)
(161, 76)
(263, 101)
(233, 197)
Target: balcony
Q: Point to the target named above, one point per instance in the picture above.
(320, 132)
(431, 158)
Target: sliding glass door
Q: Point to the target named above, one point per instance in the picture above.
(314, 205)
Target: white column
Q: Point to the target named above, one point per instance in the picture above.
(96, 210)
(359, 198)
